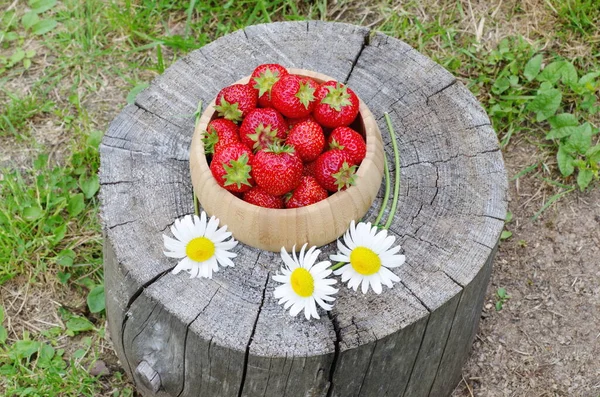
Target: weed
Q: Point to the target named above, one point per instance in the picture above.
(501, 298)
(19, 110)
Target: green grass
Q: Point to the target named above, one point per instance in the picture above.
(49, 231)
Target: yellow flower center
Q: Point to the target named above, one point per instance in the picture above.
(302, 282)
(365, 261)
(200, 249)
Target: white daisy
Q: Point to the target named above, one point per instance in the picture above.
(304, 283)
(370, 257)
(199, 245)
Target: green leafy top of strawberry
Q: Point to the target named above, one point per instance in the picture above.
(277, 148)
(210, 138)
(337, 97)
(306, 93)
(263, 135)
(346, 176)
(265, 81)
(336, 145)
(237, 172)
(228, 110)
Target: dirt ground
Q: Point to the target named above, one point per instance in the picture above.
(546, 339)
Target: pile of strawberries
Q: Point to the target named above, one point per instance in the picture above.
(282, 140)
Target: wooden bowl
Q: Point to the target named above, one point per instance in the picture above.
(317, 224)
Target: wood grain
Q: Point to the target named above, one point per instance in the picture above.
(227, 336)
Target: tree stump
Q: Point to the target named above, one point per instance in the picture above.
(177, 336)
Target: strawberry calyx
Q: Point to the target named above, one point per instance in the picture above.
(305, 94)
(210, 139)
(346, 176)
(337, 97)
(263, 136)
(230, 111)
(336, 145)
(237, 172)
(265, 81)
(278, 148)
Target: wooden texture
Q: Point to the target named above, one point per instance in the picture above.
(227, 336)
(317, 224)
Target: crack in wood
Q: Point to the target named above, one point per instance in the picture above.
(336, 352)
(247, 354)
(453, 82)
(367, 39)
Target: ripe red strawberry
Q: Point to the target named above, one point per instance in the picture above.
(277, 169)
(219, 133)
(337, 105)
(258, 196)
(262, 80)
(349, 141)
(262, 127)
(235, 101)
(308, 192)
(232, 167)
(294, 96)
(310, 169)
(335, 170)
(293, 122)
(308, 139)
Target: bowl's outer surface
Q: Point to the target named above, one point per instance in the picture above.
(272, 229)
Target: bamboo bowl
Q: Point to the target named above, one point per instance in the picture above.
(271, 229)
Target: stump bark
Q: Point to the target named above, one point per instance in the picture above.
(227, 336)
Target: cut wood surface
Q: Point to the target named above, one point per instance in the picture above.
(227, 336)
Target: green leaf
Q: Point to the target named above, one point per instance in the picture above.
(563, 120)
(509, 216)
(581, 140)
(587, 81)
(76, 204)
(79, 324)
(8, 19)
(24, 349)
(593, 154)
(95, 138)
(63, 277)
(559, 70)
(499, 306)
(43, 26)
(65, 258)
(545, 104)
(501, 292)
(501, 85)
(1, 314)
(40, 6)
(29, 19)
(562, 132)
(89, 186)
(79, 353)
(45, 356)
(26, 63)
(135, 91)
(505, 235)
(3, 335)
(533, 67)
(584, 178)
(59, 233)
(32, 213)
(30, 53)
(565, 161)
(17, 56)
(95, 299)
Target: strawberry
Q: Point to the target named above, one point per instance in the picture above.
(310, 169)
(261, 127)
(232, 166)
(308, 192)
(258, 196)
(334, 170)
(277, 169)
(293, 122)
(262, 80)
(308, 140)
(294, 96)
(337, 105)
(219, 133)
(235, 101)
(350, 141)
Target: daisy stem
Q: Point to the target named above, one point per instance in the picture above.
(386, 196)
(196, 205)
(396, 172)
(337, 265)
